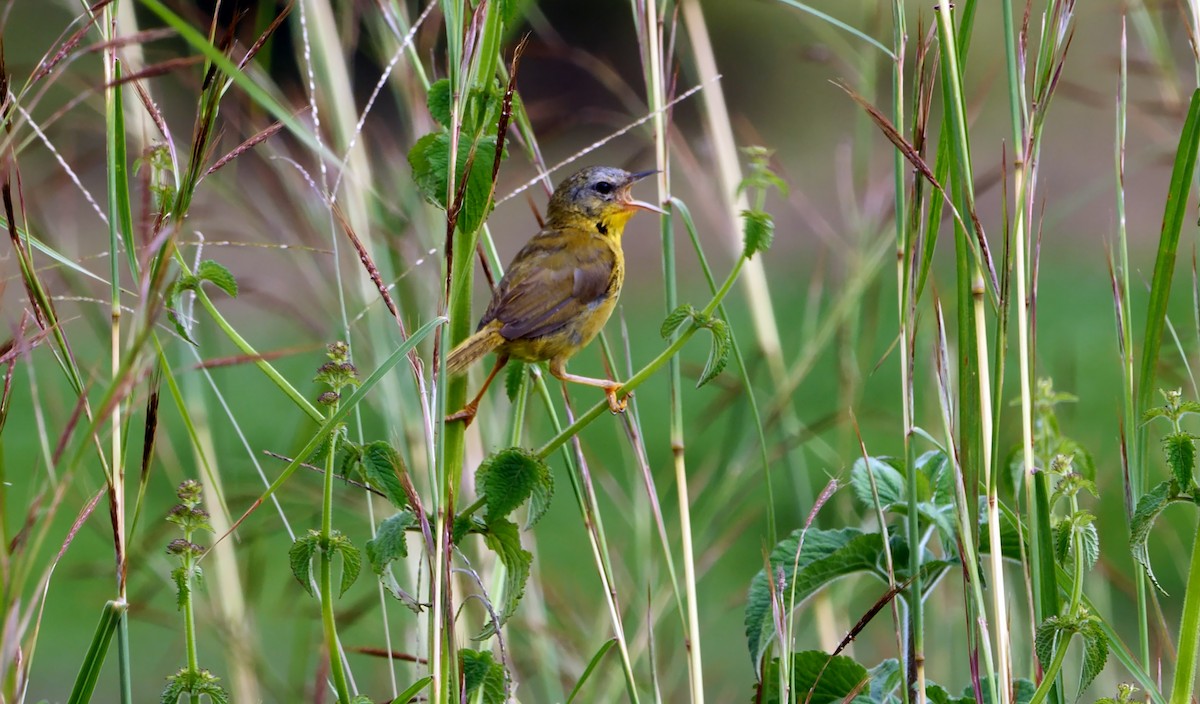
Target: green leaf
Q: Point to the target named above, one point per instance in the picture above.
(889, 482)
(816, 678)
(383, 466)
(1180, 450)
(1095, 651)
(182, 588)
(351, 560)
(438, 101)
(1050, 635)
(936, 468)
(1149, 507)
(1023, 690)
(758, 229)
(481, 673)
(591, 667)
(430, 159)
(170, 300)
(389, 543)
(218, 275)
(504, 538)
(825, 556)
(675, 319)
(173, 690)
(539, 499)
(300, 556)
(885, 678)
(513, 376)
(718, 354)
(506, 479)
(411, 693)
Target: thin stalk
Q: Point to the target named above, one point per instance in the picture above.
(328, 623)
(1074, 610)
(1189, 631)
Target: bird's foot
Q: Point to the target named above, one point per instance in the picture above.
(616, 405)
(466, 415)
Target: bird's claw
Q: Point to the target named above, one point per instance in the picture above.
(616, 405)
(466, 415)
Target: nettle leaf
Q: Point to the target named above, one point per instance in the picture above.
(1149, 507)
(1180, 449)
(351, 559)
(438, 101)
(1152, 413)
(300, 556)
(483, 677)
(885, 678)
(825, 556)
(758, 229)
(513, 377)
(218, 275)
(675, 319)
(1095, 651)
(889, 481)
(817, 678)
(539, 499)
(1050, 633)
(170, 302)
(504, 538)
(430, 159)
(1022, 688)
(389, 543)
(382, 466)
(507, 479)
(936, 468)
(718, 354)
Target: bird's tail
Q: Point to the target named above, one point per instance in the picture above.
(472, 349)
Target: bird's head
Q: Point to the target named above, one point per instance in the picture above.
(599, 196)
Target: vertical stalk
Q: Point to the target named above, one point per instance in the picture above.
(326, 542)
(1189, 631)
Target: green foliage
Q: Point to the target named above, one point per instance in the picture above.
(194, 684)
(300, 558)
(1180, 450)
(351, 559)
(722, 340)
(382, 467)
(935, 497)
(1054, 632)
(484, 679)
(758, 231)
(1150, 505)
(514, 374)
(508, 478)
(389, 542)
(301, 554)
(816, 678)
(209, 271)
(504, 538)
(430, 159)
(1125, 692)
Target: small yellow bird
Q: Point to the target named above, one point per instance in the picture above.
(562, 286)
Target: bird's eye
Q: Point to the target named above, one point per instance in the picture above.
(604, 187)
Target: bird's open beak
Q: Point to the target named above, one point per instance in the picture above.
(640, 204)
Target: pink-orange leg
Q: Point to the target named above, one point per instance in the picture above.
(558, 367)
(467, 413)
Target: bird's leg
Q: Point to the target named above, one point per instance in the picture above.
(467, 413)
(558, 367)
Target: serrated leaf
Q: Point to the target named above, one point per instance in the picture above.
(758, 229)
(503, 537)
(1188, 407)
(1180, 450)
(817, 678)
(173, 691)
(382, 467)
(718, 353)
(1089, 542)
(389, 543)
(483, 677)
(438, 102)
(218, 275)
(539, 499)
(889, 482)
(430, 158)
(675, 319)
(506, 479)
(513, 377)
(300, 557)
(1149, 507)
(1050, 635)
(1095, 652)
(935, 467)
(1152, 413)
(179, 576)
(885, 678)
(825, 556)
(1062, 542)
(351, 560)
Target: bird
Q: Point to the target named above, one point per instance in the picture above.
(562, 286)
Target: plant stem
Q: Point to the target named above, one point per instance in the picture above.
(326, 542)
(1189, 631)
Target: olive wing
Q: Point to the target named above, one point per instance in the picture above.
(549, 285)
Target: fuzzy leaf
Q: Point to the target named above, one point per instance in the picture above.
(889, 482)
(483, 677)
(825, 556)
(506, 480)
(718, 354)
(758, 230)
(1095, 652)
(1051, 635)
(300, 556)
(513, 377)
(389, 543)
(839, 677)
(1180, 450)
(351, 560)
(539, 499)
(382, 467)
(504, 538)
(170, 299)
(218, 275)
(438, 101)
(1149, 507)
(430, 159)
(675, 319)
